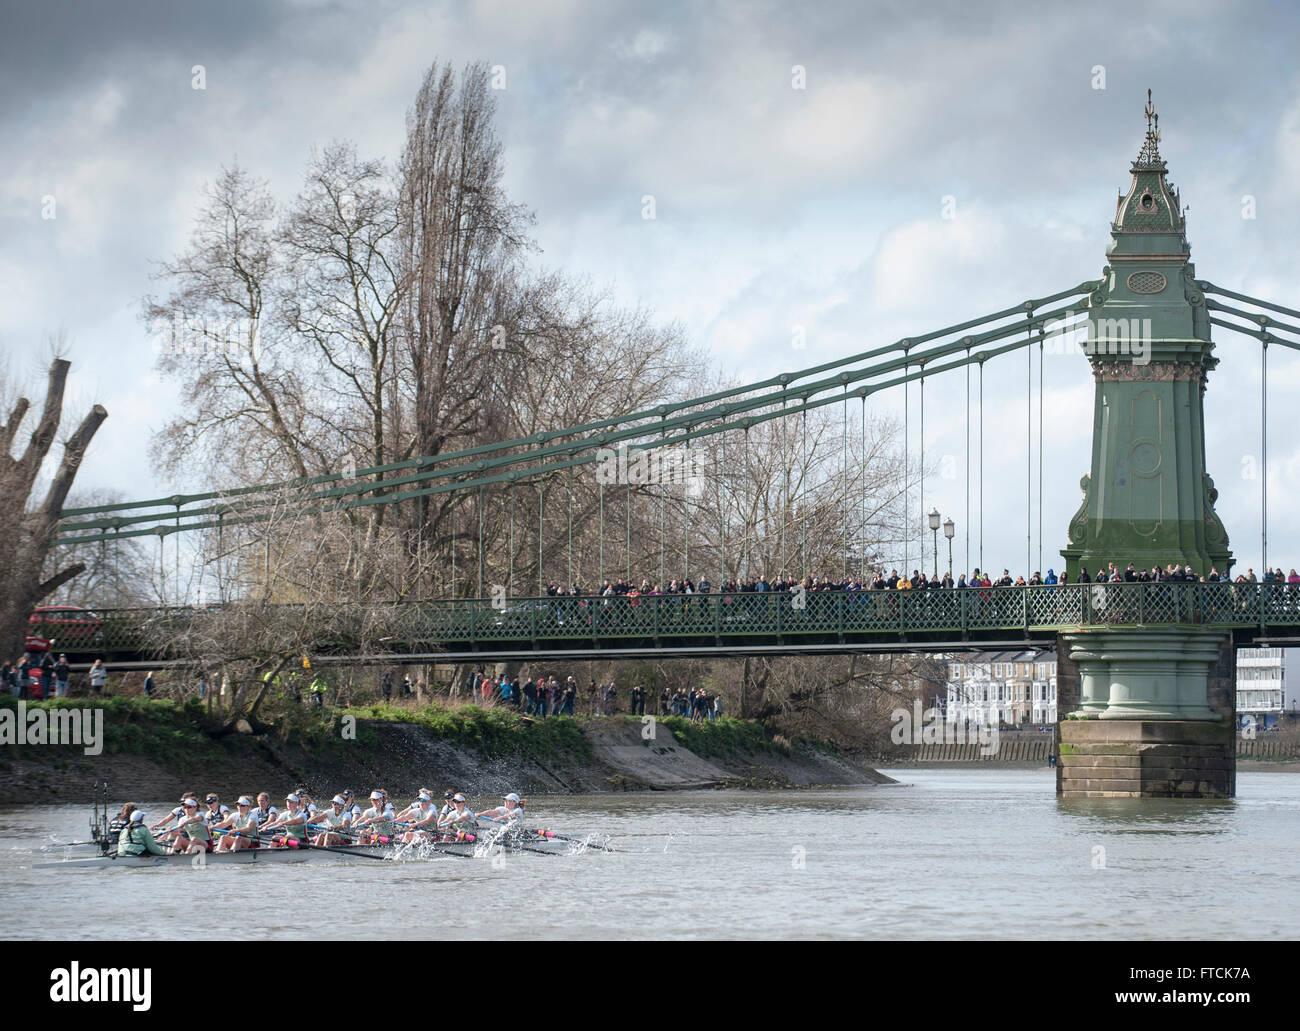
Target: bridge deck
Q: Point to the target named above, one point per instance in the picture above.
(702, 624)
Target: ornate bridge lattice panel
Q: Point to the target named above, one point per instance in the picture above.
(723, 623)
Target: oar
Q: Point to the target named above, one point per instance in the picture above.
(515, 844)
(576, 841)
(331, 848)
(552, 834)
(439, 846)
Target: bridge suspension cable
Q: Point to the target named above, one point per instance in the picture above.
(240, 504)
(1267, 333)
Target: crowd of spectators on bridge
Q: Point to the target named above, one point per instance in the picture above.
(880, 581)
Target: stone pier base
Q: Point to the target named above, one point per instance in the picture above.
(1146, 759)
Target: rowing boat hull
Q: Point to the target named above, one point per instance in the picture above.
(243, 856)
(467, 849)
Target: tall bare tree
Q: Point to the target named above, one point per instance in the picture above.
(28, 526)
(245, 398)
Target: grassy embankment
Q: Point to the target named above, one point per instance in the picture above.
(190, 734)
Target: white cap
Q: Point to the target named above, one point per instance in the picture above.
(291, 797)
(244, 800)
(137, 816)
(340, 800)
(190, 802)
(458, 797)
(512, 797)
(376, 796)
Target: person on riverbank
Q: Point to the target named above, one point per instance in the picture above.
(62, 674)
(136, 840)
(98, 676)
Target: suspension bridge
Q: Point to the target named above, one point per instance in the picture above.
(1137, 651)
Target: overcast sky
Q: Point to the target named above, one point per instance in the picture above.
(775, 206)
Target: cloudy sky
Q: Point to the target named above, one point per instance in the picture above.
(775, 206)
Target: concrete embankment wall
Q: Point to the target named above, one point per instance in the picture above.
(1285, 749)
(1026, 749)
(1035, 751)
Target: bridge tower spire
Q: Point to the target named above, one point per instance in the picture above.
(1147, 497)
(1155, 696)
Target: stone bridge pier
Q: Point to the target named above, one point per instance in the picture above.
(1155, 716)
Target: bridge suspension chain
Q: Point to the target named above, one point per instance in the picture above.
(244, 509)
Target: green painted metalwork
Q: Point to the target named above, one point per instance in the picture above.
(727, 621)
(1147, 497)
(696, 424)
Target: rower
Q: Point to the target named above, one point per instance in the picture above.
(122, 820)
(447, 805)
(378, 818)
(265, 811)
(293, 822)
(216, 812)
(192, 836)
(175, 815)
(423, 819)
(350, 804)
(119, 823)
(242, 823)
(413, 810)
(336, 819)
(460, 819)
(308, 806)
(136, 840)
(508, 813)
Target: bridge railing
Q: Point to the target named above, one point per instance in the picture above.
(776, 616)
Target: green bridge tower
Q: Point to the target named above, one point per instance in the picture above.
(1156, 705)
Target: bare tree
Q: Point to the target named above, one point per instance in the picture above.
(29, 527)
(295, 595)
(343, 293)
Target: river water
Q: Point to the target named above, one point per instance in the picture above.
(962, 853)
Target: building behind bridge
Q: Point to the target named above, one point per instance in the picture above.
(1011, 688)
(1261, 685)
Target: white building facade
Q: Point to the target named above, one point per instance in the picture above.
(1261, 683)
(1002, 688)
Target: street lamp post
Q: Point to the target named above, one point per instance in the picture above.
(949, 528)
(934, 530)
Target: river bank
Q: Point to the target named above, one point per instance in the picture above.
(156, 750)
